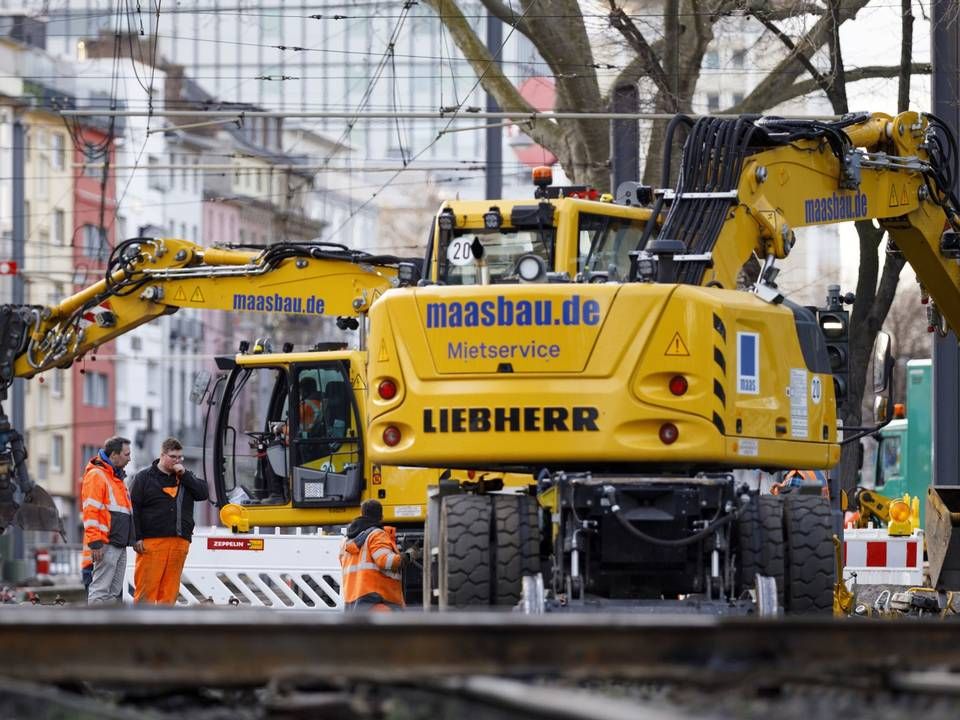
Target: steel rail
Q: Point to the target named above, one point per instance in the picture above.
(216, 646)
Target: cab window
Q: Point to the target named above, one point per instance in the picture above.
(326, 426)
(889, 459)
(606, 243)
(250, 453)
(501, 250)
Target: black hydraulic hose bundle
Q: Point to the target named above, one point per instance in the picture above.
(942, 148)
(712, 161)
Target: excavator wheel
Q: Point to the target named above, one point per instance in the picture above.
(518, 545)
(487, 544)
(760, 542)
(809, 568)
(463, 564)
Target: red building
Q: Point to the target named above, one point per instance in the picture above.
(94, 204)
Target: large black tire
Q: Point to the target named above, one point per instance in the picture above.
(810, 570)
(463, 563)
(487, 543)
(760, 537)
(517, 543)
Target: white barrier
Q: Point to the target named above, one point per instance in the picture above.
(879, 559)
(283, 572)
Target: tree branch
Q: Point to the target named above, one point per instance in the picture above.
(757, 102)
(649, 63)
(790, 68)
(906, 52)
(490, 73)
(819, 77)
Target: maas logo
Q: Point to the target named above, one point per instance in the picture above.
(505, 312)
(835, 208)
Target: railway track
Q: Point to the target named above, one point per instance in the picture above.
(238, 647)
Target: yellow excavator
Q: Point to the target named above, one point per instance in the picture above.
(634, 382)
(271, 465)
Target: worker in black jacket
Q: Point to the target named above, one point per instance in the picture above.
(162, 496)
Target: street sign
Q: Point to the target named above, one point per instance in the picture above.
(8, 267)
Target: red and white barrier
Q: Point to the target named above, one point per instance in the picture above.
(879, 559)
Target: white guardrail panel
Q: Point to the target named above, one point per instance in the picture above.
(875, 558)
(283, 572)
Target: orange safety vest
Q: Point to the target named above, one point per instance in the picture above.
(311, 412)
(371, 570)
(102, 493)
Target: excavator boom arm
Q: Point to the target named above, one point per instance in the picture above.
(150, 277)
(746, 184)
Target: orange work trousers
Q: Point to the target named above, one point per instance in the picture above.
(156, 578)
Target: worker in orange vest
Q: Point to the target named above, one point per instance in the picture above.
(798, 478)
(107, 519)
(371, 562)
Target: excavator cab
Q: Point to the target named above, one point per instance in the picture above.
(565, 232)
(288, 435)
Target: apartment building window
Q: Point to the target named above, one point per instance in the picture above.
(59, 227)
(196, 174)
(91, 241)
(135, 412)
(95, 389)
(43, 472)
(135, 343)
(155, 177)
(153, 378)
(42, 406)
(711, 61)
(737, 98)
(738, 58)
(56, 383)
(121, 226)
(58, 152)
(713, 102)
(92, 159)
(56, 453)
(87, 452)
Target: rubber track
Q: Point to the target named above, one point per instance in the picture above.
(810, 569)
(518, 545)
(761, 542)
(464, 563)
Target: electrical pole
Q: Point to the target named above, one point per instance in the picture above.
(494, 154)
(19, 238)
(624, 137)
(945, 54)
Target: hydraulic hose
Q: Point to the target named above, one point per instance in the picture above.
(680, 542)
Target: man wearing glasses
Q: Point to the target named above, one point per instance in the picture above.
(163, 496)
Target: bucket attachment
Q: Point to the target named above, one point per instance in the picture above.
(943, 537)
(38, 512)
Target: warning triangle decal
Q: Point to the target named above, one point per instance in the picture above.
(677, 348)
(893, 197)
(180, 294)
(383, 355)
(197, 296)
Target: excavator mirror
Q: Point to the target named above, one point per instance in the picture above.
(882, 362)
(201, 383)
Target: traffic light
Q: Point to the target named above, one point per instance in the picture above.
(835, 326)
